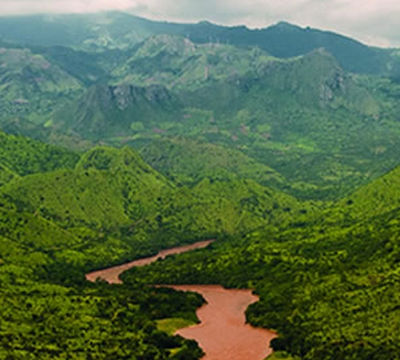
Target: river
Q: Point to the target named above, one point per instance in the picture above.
(222, 333)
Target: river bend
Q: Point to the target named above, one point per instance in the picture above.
(222, 333)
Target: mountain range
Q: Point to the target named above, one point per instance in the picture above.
(122, 136)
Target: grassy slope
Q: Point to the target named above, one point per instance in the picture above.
(114, 189)
(189, 161)
(378, 197)
(24, 156)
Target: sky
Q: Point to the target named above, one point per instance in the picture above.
(375, 22)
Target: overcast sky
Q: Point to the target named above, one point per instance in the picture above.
(376, 22)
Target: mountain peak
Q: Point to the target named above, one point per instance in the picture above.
(165, 43)
(205, 22)
(107, 158)
(285, 26)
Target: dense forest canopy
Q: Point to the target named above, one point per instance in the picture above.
(123, 136)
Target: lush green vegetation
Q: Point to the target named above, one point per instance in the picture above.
(281, 355)
(323, 131)
(233, 138)
(188, 162)
(327, 283)
(180, 64)
(30, 86)
(114, 196)
(22, 156)
(48, 310)
(62, 214)
(173, 324)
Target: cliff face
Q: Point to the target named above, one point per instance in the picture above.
(115, 109)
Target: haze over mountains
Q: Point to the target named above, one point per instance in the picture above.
(122, 136)
(116, 78)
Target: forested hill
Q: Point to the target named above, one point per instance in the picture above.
(116, 207)
(53, 227)
(328, 283)
(323, 130)
(321, 126)
(63, 213)
(282, 143)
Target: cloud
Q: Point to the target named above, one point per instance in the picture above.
(372, 21)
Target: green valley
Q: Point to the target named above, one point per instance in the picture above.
(121, 137)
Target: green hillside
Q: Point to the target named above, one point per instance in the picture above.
(378, 197)
(114, 197)
(99, 192)
(112, 113)
(179, 64)
(24, 156)
(189, 161)
(281, 143)
(329, 287)
(31, 86)
(87, 67)
(323, 130)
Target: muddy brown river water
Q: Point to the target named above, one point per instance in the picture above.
(222, 333)
(111, 275)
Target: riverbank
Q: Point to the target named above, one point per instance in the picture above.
(222, 333)
(111, 275)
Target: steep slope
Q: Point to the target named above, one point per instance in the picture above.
(105, 112)
(179, 64)
(238, 206)
(108, 188)
(32, 87)
(305, 118)
(114, 192)
(329, 286)
(24, 156)
(324, 130)
(89, 68)
(188, 161)
(374, 199)
(101, 31)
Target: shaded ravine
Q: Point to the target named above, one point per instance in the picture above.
(222, 333)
